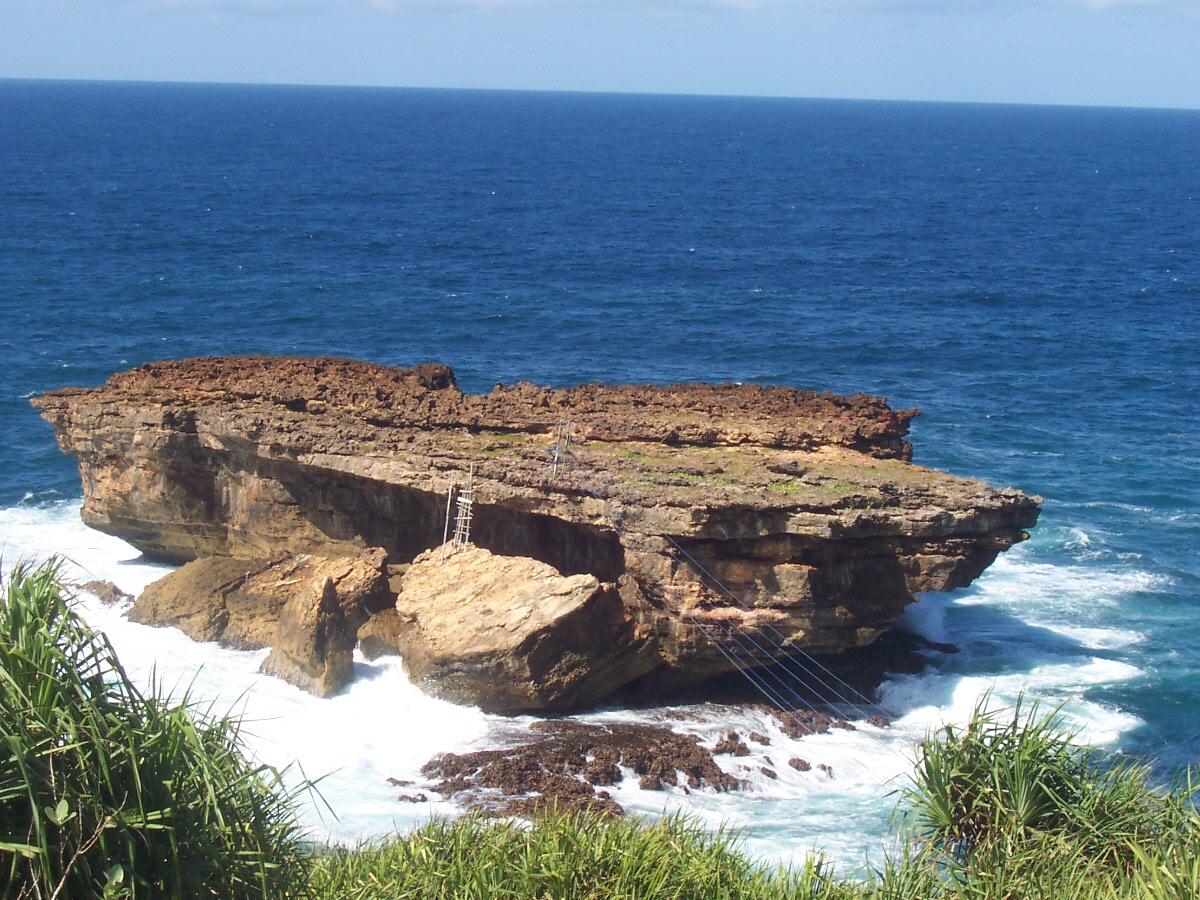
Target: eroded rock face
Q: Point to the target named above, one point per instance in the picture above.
(380, 636)
(512, 634)
(308, 609)
(805, 505)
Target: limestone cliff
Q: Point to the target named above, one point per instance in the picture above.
(804, 504)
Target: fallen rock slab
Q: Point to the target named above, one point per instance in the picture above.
(511, 634)
(307, 608)
(203, 600)
(314, 642)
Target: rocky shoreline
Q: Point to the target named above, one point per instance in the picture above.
(568, 765)
(307, 497)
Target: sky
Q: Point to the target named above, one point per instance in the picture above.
(1096, 52)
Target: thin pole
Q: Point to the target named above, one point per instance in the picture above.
(446, 526)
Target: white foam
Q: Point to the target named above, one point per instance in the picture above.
(926, 617)
(383, 727)
(1093, 638)
(1015, 579)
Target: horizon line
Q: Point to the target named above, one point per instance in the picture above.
(590, 92)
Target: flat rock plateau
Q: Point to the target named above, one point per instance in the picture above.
(583, 578)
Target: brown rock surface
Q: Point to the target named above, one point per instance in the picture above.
(307, 608)
(106, 592)
(804, 504)
(380, 636)
(512, 634)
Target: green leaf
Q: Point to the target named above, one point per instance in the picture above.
(25, 850)
(61, 814)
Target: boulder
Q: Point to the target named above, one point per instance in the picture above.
(307, 608)
(511, 634)
(195, 599)
(106, 592)
(314, 643)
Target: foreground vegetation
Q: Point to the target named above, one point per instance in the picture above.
(103, 789)
(106, 792)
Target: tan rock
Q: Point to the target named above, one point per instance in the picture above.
(194, 600)
(512, 634)
(381, 635)
(314, 642)
(307, 608)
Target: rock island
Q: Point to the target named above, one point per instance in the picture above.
(307, 498)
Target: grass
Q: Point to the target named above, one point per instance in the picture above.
(1010, 805)
(105, 792)
(575, 856)
(825, 491)
(1005, 777)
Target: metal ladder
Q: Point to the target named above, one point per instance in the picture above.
(462, 517)
(562, 446)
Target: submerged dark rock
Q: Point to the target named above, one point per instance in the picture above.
(106, 592)
(801, 722)
(732, 744)
(564, 763)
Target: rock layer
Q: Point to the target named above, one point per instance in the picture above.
(805, 505)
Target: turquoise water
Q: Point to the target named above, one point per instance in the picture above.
(1027, 276)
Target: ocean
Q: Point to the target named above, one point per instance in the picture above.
(1028, 276)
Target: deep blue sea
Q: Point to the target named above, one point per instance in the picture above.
(1029, 277)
